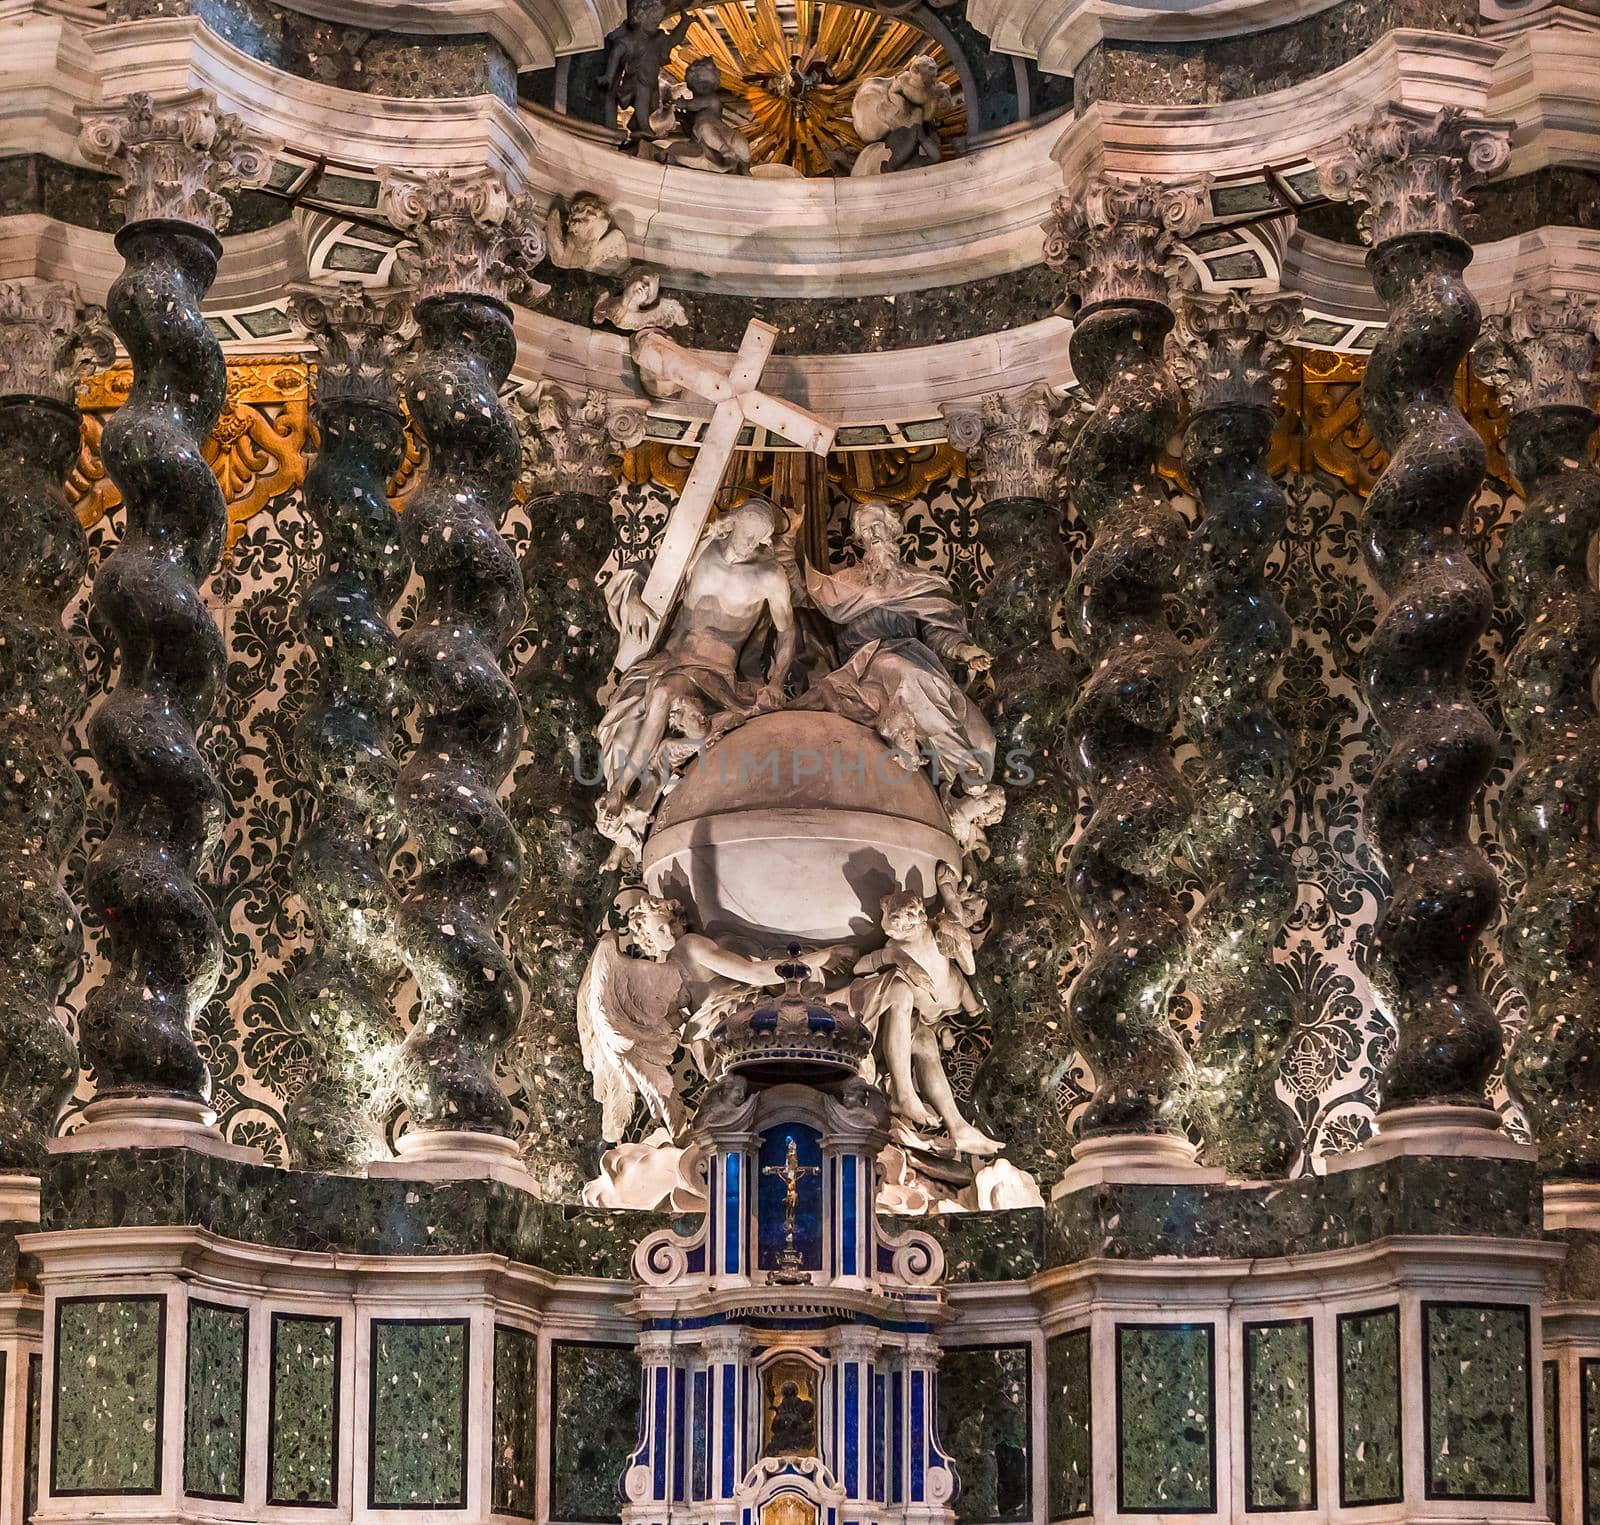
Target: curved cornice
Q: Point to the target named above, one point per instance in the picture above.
(1058, 33)
(533, 32)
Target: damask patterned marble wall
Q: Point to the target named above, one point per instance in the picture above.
(258, 1060)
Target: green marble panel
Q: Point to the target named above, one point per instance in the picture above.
(1477, 1401)
(108, 1412)
(418, 1422)
(1370, 1465)
(516, 1410)
(1280, 1436)
(30, 1484)
(214, 1402)
(595, 1404)
(303, 1449)
(1068, 1407)
(1166, 1419)
(1589, 1426)
(1552, 1439)
(985, 1408)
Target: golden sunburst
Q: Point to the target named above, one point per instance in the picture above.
(797, 70)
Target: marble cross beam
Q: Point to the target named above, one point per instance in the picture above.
(738, 400)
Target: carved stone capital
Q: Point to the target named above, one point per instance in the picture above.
(358, 330)
(1541, 352)
(175, 156)
(1413, 169)
(1010, 443)
(1115, 240)
(1229, 350)
(471, 234)
(570, 437)
(47, 340)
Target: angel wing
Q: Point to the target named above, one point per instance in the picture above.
(631, 1013)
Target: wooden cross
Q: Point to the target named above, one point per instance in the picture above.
(738, 401)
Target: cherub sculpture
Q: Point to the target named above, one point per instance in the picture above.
(697, 123)
(906, 991)
(580, 235)
(636, 53)
(896, 117)
(639, 305)
(632, 1010)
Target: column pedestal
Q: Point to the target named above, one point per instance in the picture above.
(1152, 1158)
(151, 1122)
(1462, 1132)
(441, 1156)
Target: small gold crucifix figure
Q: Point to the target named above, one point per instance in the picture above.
(791, 1172)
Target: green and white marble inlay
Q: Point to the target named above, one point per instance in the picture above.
(985, 1412)
(596, 1412)
(1552, 1439)
(1479, 1409)
(516, 1408)
(1166, 1461)
(30, 1486)
(303, 1455)
(1280, 1430)
(214, 1401)
(1068, 1406)
(419, 1418)
(107, 1426)
(1589, 1389)
(1370, 1470)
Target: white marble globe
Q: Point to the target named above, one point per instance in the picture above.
(792, 829)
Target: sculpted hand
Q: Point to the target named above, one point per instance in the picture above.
(976, 658)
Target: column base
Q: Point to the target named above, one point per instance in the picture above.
(19, 1198)
(151, 1122)
(440, 1155)
(1142, 1158)
(1459, 1132)
(1572, 1204)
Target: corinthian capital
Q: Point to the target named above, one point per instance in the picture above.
(1413, 169)
(1541, 352)
(358, 331)
(1009, 443)
(1115, 240)
(47, 340)
(175, 156)
(1229, 350)
(569, 438)
(472, 236)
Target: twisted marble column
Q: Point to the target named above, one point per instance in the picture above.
(474, 245)
(1227, 353)
(1542, 355)
(1411, 168)
(1012, 447)
(45, 340)
(174, 157)
(569, 442)
(1114, 241)
(341, 994)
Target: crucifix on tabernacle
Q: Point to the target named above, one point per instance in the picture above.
(738, 401)
(791, 1172)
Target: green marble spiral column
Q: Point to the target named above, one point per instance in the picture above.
(1114, 241)
(1413, 168)
(569, 442)
(45, 340)
(1013, 451)
(1227, 352)
(474, 245)
(1542, 355)
(342, 992)
(174, 158)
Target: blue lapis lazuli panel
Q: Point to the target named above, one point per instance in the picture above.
(772, 1192)
(730, 1264)
(852, 1427)
(729, 1418)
